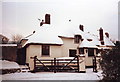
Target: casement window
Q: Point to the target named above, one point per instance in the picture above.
(90, 52)
(72, 53)
(45, 50)
(97, 51)
(77, 38)
(81, 51)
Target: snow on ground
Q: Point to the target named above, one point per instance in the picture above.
(8, 64)
(52, 76)
(89, 75)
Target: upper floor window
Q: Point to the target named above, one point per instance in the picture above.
(45, 50)
(77, 38)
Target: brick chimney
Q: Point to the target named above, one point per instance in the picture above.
(47, 19)
(107, 34)
(81, 27)
(101, 36)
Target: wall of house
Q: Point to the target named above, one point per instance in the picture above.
(68, 43)
(55, 51)
(89, 59)
(35, 50)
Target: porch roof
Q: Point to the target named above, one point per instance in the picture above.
(89, 44)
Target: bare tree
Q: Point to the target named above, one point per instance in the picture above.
(16, 38)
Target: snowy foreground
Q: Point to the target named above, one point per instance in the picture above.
(52, 76)
(89, 75)
(8, 65)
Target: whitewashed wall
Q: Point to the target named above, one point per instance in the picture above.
(68, 43)
(35, 50)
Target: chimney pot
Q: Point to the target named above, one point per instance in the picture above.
(102, 42)
(107, 34)
(81, 27)
(47, 18)
(101, 34)
(42, 23)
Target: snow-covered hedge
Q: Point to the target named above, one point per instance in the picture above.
(9, 67)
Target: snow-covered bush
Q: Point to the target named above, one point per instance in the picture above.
(110, 64)
(9, 67)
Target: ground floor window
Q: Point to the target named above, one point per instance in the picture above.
(72, 53)
(81, 51)
(97, 51)
(45, 50)
(90, 52)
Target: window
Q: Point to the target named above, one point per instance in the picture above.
(72, 53)
(81, 51)
(45, 50)
(90, 52)
(97, 51)
(77, 38)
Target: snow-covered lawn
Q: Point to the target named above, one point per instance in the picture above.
(52, 76)
(89, 75)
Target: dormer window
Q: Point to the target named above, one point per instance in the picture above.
(89, 39)
(77, 38)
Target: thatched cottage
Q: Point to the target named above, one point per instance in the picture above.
(48, 42)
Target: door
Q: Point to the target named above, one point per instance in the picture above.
(89, 59)
(90, 52)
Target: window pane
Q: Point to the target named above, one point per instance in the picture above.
(81, 51)
(45, 49)
(72, 53)
(77, 38)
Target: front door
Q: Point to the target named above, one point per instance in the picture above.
(72, 53)
(90, 52)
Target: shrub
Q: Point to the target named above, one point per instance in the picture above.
(110, 64)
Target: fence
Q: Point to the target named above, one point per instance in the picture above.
(71, 64)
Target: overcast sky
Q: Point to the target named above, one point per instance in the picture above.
(21, 16)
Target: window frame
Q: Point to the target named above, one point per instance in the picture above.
(81, 51)
(77, 38)
(72, 50)
(45, 50)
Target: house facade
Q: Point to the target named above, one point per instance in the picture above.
(48, 43)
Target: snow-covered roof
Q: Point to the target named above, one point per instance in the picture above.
(96, 41)
(107, 42)
(89, 44)
(44, 35)
(48, 34)
(8, 44)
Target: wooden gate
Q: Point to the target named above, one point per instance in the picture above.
(69, 64)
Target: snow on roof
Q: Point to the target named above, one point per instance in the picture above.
(8, 44)
(45, 35)
(66, 30)
(96, 40)
(48, 34)
(89, 44)
(108, 42)
(93, 37)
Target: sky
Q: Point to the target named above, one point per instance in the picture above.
(21, 16)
